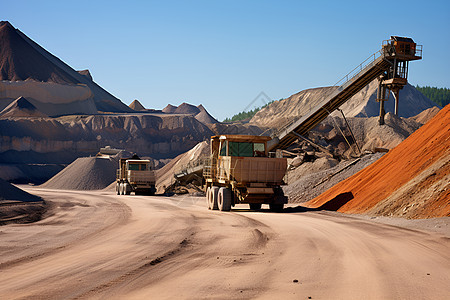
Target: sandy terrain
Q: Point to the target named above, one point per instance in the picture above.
(99, 245)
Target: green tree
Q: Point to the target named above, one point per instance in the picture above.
(440, 96)
(244, 115)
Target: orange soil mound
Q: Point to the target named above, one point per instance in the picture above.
(370, 186)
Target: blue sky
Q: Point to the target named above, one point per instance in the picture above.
(222, 54)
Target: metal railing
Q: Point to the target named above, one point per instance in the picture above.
(419, 49)
(286, 126)
(184, 169)
(356, 71)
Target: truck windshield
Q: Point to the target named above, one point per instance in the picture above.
(137, 167)
(244, 149)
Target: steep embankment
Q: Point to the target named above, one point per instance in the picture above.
(412, 180)
(63, 139)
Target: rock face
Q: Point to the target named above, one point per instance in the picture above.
(363, 104)
(61, 140)
(28, 70)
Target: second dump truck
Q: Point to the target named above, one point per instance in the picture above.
(135, 175)
(241, 171)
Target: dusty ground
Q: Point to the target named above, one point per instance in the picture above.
(99, 245)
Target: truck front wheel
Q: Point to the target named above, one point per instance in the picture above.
(224, 199)
(208, 195)
(213, 197)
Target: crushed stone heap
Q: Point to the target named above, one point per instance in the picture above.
(21, 107)
(85, 173)
(9, 192)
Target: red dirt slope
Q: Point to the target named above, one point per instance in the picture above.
(408, 175)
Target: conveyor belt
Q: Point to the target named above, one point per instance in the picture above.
(371, 71)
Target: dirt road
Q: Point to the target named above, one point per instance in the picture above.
(98, 245)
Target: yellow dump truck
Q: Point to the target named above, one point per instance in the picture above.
(241, 171)
(135, 175)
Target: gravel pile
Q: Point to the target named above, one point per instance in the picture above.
(204, 117)
(136, 105)
(186, 108)
(85, 173)
(21, 107)
(9, 192)
(18, 206)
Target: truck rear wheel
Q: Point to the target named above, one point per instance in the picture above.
(277, 207)
(208, 195)
(152, 190)
(213, 197)
(127, 188)
(255, 206)
(224, 199)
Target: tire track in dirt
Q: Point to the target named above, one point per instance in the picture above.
(121, 214)
(219, 241)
